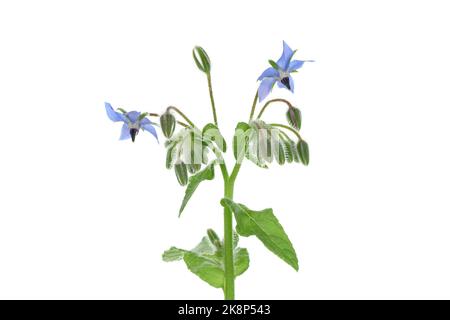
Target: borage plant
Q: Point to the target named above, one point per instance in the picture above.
(194, 153)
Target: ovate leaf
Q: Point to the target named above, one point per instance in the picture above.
(207, 268)
(265, 226)
(194, 181)
(241, 261)
(207, 262)
(173, 254)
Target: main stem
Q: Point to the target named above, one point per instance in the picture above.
(228, 231)
(211, 97)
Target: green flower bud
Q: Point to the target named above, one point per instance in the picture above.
(181, 173)
(168, 123)
(294, 117)
(201, 59)
(303, 151)
(280, 153)
(214, 238)
(170, 157)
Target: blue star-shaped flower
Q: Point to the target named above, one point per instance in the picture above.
(279, 73)
(132, 122)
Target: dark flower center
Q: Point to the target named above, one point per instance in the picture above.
(285, 81)
(133, 133)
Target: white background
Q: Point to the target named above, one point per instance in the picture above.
(83, 215)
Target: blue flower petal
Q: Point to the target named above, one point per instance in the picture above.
(145, 121)
(112, 114)
(150, 128)
(295, 64)
(125, 133)
(280, 85)
(265, 87)
(291, 83)
(133, 116)
(269, 73)
(286, 57)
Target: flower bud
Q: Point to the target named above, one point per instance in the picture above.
(280, 153)
(201, 59)
(170, 156)
(214, 238)
(294, 117)
(303, 152)
(181, 172)
(168, 123)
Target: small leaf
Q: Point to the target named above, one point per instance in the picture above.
(207, 261)
(194, 181)
(173, 254)
(214, 238)
(241, 261)
(211, 132)
(303, 151)
(265, 226)
(206, 268)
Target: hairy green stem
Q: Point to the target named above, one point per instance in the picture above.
(269, 102)
(253, 106)
(211, 97)
(182, 114)
(228, 235)
(287, 128)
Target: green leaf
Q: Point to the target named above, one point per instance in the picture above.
(241, 261)
(274, 65)
(206, 268)
(265, 226)
(173, 254)
(206, 261)
(122, 110)
(194, 181)
(211, 132)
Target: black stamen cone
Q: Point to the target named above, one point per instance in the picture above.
(133, 133)
(285, 81)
